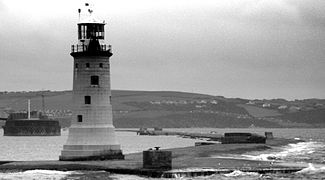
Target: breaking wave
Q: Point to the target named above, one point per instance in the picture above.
(312, 169)
(36, 174)
(126, 177)
(238, 173)
(290, 151)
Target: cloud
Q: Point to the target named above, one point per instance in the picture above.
(284, 12)
(311, 12)
(2, 6)
(274, 12)
(217, 47)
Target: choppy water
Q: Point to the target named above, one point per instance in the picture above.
(310, 154)
(23, 148)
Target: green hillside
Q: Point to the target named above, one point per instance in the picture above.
(167, 109)
(316, 116)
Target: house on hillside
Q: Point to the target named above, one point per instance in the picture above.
(214, 102)
(266, 105)
(282, 107)
(250, 102)
(318, 105)
(294, 108)
(201, 102)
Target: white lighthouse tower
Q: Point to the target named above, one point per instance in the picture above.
(91, 135)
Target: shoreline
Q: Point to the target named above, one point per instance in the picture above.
(193, 160)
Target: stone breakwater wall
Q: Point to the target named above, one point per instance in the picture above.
(188, 161)
(32, 128)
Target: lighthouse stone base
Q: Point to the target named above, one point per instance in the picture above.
(91, 143)
(88, 155)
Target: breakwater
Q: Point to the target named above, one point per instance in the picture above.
(210, 136)
(198, 158)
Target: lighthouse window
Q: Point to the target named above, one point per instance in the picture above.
(87, 100)
(79, 31)
(79, 117)
(82, 31)
(94, 80)
(101, 65)
(87, 65)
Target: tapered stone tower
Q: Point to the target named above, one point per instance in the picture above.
(91, 135)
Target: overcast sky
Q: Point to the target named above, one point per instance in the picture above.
(233, 48)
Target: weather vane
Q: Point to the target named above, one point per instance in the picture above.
(90, 9)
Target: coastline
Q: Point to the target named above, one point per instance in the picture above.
(198, 159)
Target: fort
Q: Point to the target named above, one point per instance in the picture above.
(22, 124)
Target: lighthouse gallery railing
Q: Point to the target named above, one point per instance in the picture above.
(84, 48)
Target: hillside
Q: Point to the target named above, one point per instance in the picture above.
(134, 109)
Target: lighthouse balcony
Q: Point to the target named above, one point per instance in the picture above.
(91, 49)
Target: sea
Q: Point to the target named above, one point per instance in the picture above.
(309, 154)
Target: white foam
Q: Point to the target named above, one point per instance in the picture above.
(233, 156)
(237, 173)
(48, 172)
(126, 177)
(289, 150)
(193, 170)
(263, 157)
(312, 169)
(36, 174)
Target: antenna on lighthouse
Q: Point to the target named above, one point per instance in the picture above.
(79, 11)
(87, 7)
(90, 9)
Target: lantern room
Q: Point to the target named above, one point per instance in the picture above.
(91, 35)
(90, 30)
(89, 27)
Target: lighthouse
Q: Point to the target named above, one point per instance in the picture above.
(92, 134)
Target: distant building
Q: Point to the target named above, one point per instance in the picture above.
(266, 105)
(283, 107)
(250, 102)
(34, 124)
(319, 105)
(214, 102)
(294, 108)
(202, 102)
